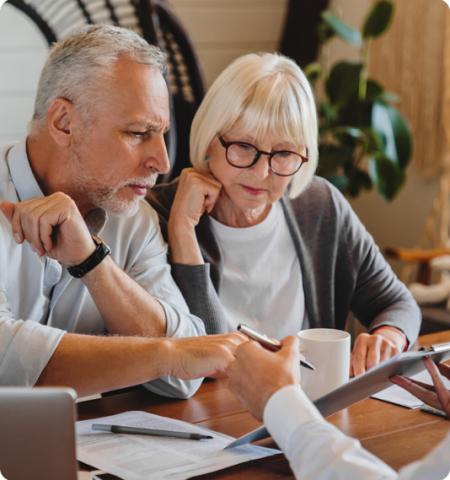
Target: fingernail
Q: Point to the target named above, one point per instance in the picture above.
(17, 238)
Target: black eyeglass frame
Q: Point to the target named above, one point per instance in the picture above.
(258, 154)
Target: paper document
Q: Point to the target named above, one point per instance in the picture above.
(138, 457)
(401, 397)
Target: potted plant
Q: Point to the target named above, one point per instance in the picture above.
(364, 141)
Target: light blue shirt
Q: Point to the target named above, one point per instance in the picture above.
(40, 301)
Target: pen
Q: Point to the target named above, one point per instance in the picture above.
(149, 431)
(434, 411)
(267, 342)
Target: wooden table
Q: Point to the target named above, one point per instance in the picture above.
(395, 434)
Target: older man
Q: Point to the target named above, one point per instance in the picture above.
(81, 252)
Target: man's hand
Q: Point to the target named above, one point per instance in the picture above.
(53, 226)
(258, 373)
(371, 349)
(435, 395)
(195, 357)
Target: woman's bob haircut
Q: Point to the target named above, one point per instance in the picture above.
(262, 93)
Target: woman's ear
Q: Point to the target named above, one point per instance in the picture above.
(60, 121)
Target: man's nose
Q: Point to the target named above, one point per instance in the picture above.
(156, 155)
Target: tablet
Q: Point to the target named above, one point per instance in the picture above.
(359, 388)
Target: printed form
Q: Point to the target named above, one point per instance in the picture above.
(138, 457)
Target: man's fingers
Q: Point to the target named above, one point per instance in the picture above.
(16, 225)
(8, 209)
(373, 352)
(359, 354)
(33, 218)
(290, 342)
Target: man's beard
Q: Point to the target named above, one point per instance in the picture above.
(108, 197)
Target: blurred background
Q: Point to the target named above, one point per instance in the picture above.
(410, 59)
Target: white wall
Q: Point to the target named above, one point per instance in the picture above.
(23, 51)
(221, 30)
(225, 29)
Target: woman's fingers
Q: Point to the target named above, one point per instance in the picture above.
(444, 369)
(441, 391)
(422, 393)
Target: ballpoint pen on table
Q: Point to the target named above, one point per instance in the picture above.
(267, 342)
(432, 410)
(149, 431)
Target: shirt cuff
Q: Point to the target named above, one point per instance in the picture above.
(390, 327)
(286, 410)
(26, 348)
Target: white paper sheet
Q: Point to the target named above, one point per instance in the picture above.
(138, 457)
(397, 395)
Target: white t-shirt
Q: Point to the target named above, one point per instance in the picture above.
(262, 282)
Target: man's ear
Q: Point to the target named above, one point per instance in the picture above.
(60, 117)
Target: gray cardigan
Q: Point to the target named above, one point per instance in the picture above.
(342, 268)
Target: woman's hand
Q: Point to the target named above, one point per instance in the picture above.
(197, 193)
(435, 395)
(371, 349)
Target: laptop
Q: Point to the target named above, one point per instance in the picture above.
(37, 437)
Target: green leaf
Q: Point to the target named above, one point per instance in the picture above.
(378, 19)
(325, 33)
(341, 182)
(313, 71)
(327, 112)
(332, 159)
(386, 176)
(359, 180)
(342, 29)
(394, 130)
(374, 90)
(343, 81)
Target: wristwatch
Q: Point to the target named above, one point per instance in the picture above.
(100, 252)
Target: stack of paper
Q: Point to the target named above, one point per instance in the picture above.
(138, 457)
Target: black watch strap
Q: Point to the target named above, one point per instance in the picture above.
(100, 252)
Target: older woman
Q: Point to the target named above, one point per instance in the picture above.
(255, 238)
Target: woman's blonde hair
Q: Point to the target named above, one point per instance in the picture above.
(265, 93)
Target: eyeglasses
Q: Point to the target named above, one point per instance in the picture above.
(244, 155)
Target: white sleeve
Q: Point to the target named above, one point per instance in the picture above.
(25, 347)
(317, 450)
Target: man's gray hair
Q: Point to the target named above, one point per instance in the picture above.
(78, 66)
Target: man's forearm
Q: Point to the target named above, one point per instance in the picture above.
(92, 364)
(127, 309)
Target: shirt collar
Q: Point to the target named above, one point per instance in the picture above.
(22, 176)
(27, 186)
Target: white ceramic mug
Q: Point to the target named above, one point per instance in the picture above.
(329, 351)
